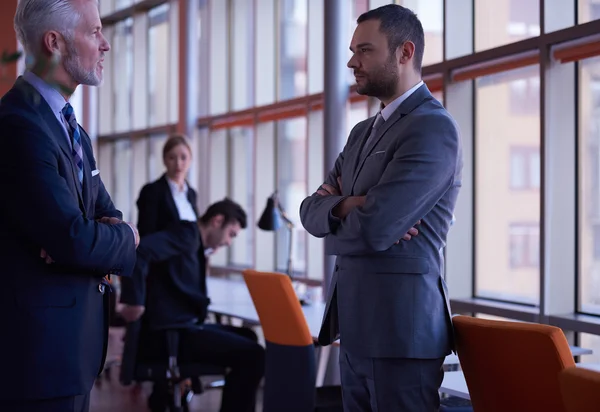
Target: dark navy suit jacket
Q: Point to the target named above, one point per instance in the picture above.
(54, 316)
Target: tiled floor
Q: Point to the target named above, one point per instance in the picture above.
(109, 395)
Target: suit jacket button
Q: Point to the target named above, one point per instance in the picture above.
(337, 268)
(101, 288)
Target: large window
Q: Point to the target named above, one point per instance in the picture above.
(589, 185)
(507, 191)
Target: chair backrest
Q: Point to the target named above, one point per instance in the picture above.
(290, 370)
(512, 365)
(278, 308)
(580, 389)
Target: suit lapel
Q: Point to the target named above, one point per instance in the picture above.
(411, 103)
(87, 172)
(169, 197)
(56, 129)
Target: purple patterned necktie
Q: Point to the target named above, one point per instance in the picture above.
(77, 150)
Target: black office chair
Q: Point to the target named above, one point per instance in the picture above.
(135, 368)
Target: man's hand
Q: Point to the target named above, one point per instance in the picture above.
(411, 232)
(110, 220)
(131, 313)
(44, 255)
(345, 206)
(328, 190)
(136, 234)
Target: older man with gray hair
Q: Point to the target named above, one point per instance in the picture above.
(60, 233)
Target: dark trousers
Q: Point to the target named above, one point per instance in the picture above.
(231, 347)
(79, 403)
(390, 384)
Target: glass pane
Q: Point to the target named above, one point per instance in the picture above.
(431, 14)
(588, 10)
(589, 341)
(241, 57)
(158, 65)
(139, 172)
(241, 142)
(316, 51)
(122, 52)
(292, 48)
(121, 4)
(104, 161)
(291, 183)
(122, 173)
(507, 185)
(219, 176)
(219, 41)
(105, 7)
(589, 185)
(265, 54)
(357, 7)
(357, 113)
(500, 22)
(156, 166)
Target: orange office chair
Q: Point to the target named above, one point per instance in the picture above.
(580, 389)
(512, 366)
(290, 370)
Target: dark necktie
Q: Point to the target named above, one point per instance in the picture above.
(76, 150)
(378, 122)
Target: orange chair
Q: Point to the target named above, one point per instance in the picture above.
(290, 370)
(512, 366)
(580, 389)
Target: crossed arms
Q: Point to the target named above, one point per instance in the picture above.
(421, 171)
(45, 212)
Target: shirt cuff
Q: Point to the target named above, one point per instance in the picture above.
(132, 231)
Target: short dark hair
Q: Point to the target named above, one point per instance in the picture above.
(400, 25)
(173, 141)
(231, 211)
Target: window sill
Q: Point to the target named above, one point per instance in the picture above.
(576, 322)
(501, 309)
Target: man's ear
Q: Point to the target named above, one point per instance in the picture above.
(217, 221)
(405, 52)
(52, 43)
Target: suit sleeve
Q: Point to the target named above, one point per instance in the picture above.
(419, 174)
(316, 210)
(47, 213)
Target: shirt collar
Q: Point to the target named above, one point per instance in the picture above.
(387, 111)
(175, 188)
(55, 100)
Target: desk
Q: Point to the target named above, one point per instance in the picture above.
(231, 298)
(454, 383)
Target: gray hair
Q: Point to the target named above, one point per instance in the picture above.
(33, 18)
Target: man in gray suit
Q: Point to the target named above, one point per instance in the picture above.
(387, 301)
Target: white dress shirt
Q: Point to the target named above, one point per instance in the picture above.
(180, 196)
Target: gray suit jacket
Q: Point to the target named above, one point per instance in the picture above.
(388, 300)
